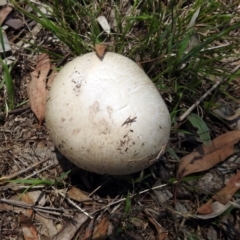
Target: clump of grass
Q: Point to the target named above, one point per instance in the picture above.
(178, 58)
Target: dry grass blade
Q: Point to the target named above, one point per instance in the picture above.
(5, 178)
(183, 116)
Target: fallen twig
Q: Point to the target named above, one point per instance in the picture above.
(73, 203)
(5, 178)
(200, 99)
(124, 199)
(181, 118)
(53, 211)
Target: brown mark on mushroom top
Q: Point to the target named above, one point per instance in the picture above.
(135, 153)
(125, 143)
(79, 78)
(60, 146)
(103, 127)
(94, 109)
(109, 110)
(76, 131)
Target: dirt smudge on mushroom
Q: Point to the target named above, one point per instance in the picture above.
(77, 79)
(99, 123)
(94, 109)
(109, 110)
(76, 131)
(103, 127)
(125, 143)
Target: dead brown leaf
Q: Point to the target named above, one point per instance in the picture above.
(89, 230)
(77, 195)
(36, 89)
(4, 13)
(51, 76)
(217, 209)
(26, 198)
(100, 231)
(161, 233)
(225, 194)
(71, 228)
(206, 208)
(29, 230)
(100, 50)
(48, 228)
(205, 157)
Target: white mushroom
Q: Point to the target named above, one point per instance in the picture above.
(106, 115)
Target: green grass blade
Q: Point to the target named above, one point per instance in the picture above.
(127, 208)
(34, 182)
(203, 130)
(204, 44)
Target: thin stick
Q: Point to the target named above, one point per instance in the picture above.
(43, 169)
(18, 110)
(73, 203)
(44, 209)
(200, 100)
(205, 95)
(124, 199)
(20, 204)
(22, 171)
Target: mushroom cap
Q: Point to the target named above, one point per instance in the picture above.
(106, 115)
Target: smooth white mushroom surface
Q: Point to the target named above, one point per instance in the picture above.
(106, 115)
